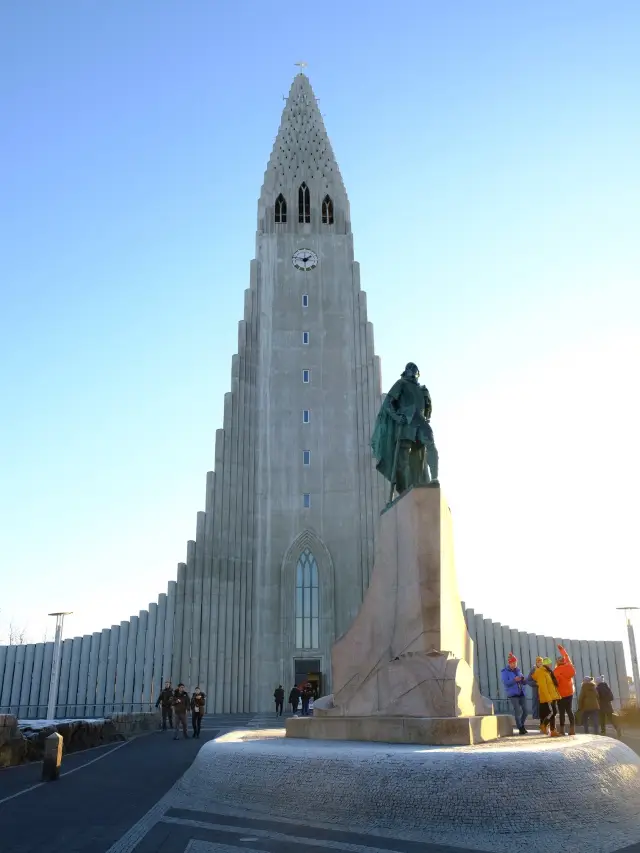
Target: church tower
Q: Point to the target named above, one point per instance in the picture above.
(283, 552)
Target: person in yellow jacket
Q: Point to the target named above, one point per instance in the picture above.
(549, 695)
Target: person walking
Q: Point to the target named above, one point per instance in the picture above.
(514, 682)
(605, 698)
(166, 700)
(294, 699)
(278, 695)
(181, 705)
(307, 693)
(589, 705)
(565, 672)
(197, 710)
(548, 690)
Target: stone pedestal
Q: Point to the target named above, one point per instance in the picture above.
(408, 655)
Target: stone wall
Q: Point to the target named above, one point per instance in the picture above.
(22, 742)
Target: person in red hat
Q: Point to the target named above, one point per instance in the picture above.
(514, 681)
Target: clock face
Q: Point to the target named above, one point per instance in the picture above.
(304, 259)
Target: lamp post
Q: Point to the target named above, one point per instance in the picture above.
(55, 665)
(634, 653)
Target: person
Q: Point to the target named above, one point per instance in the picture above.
(180, 707)
(197, 710)
(294, 699)
(514, 682)
(403, 436)
(166, 700)
(535, 693)
(605, 698)
(588, 704)
(307, 693)
(564, 672)
(548, 690)
(278, 695)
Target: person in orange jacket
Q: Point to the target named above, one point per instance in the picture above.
(564, 672)
(548, 691)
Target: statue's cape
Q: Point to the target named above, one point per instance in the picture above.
(383, 443)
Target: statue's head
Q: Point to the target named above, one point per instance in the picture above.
(411, 371)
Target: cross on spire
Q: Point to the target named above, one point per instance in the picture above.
(301, 66)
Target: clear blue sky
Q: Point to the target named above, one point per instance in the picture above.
(490, 151)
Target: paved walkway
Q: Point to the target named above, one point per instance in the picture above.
(106, 792)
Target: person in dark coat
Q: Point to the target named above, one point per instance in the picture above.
(294, 699)
(181, 705)
(605, 697)
(197, 710)
(278, 695)
(166, 700)
(307, 694)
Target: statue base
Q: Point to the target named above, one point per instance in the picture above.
(434, 731)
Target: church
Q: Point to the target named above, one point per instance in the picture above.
(284, 548)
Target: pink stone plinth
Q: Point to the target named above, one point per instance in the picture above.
(408, 652)
(441, 731)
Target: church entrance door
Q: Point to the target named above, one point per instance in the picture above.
(307, 671)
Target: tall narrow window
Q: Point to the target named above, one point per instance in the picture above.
(306, 376)
(327, 211)
(307, 602)
(281, 209)
(305, 300)
(306, 416)
(306, 457)
(305, 337)
(304, 204)
(306, 500)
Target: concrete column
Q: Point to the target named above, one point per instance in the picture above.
(576, 657)
(226, 581)
(63, 685)
(7, 680)
(235, 510)
(167, 643)
(16, 685)
(33, 711)
(198, 580)
(215, 690)
(43, 689)
(74, 673)
(586, 657)
(612, 672)
(206, 585)
(158, 646)
(525, 654)
(483, 673)
(3, 656)
(92, 674)
(138, 673)
(602, 659)
(130, 662)
(515, 643)
(470, 619)
(621, 670)
(501, 658)
(111, 674)
(506, 641)
(27, 672)
(492, 663)
(187, 619)
(83, 675)
(178, 624)
(123, 640)
(147, 673)
(249, 681)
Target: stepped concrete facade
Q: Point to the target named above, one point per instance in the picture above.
(284, 548)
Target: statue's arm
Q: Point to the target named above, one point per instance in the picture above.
(428, 407)
(391, 403)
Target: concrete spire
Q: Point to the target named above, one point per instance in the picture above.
(302, 150)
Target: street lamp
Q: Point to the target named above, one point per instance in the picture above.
(634, 653)
(55, 665)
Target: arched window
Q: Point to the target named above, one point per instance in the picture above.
(281, 209)
(304, 204)
(307, 606)
(327, 211)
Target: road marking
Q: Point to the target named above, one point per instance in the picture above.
(67, 773)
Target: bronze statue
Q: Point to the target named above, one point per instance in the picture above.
(403, 437)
